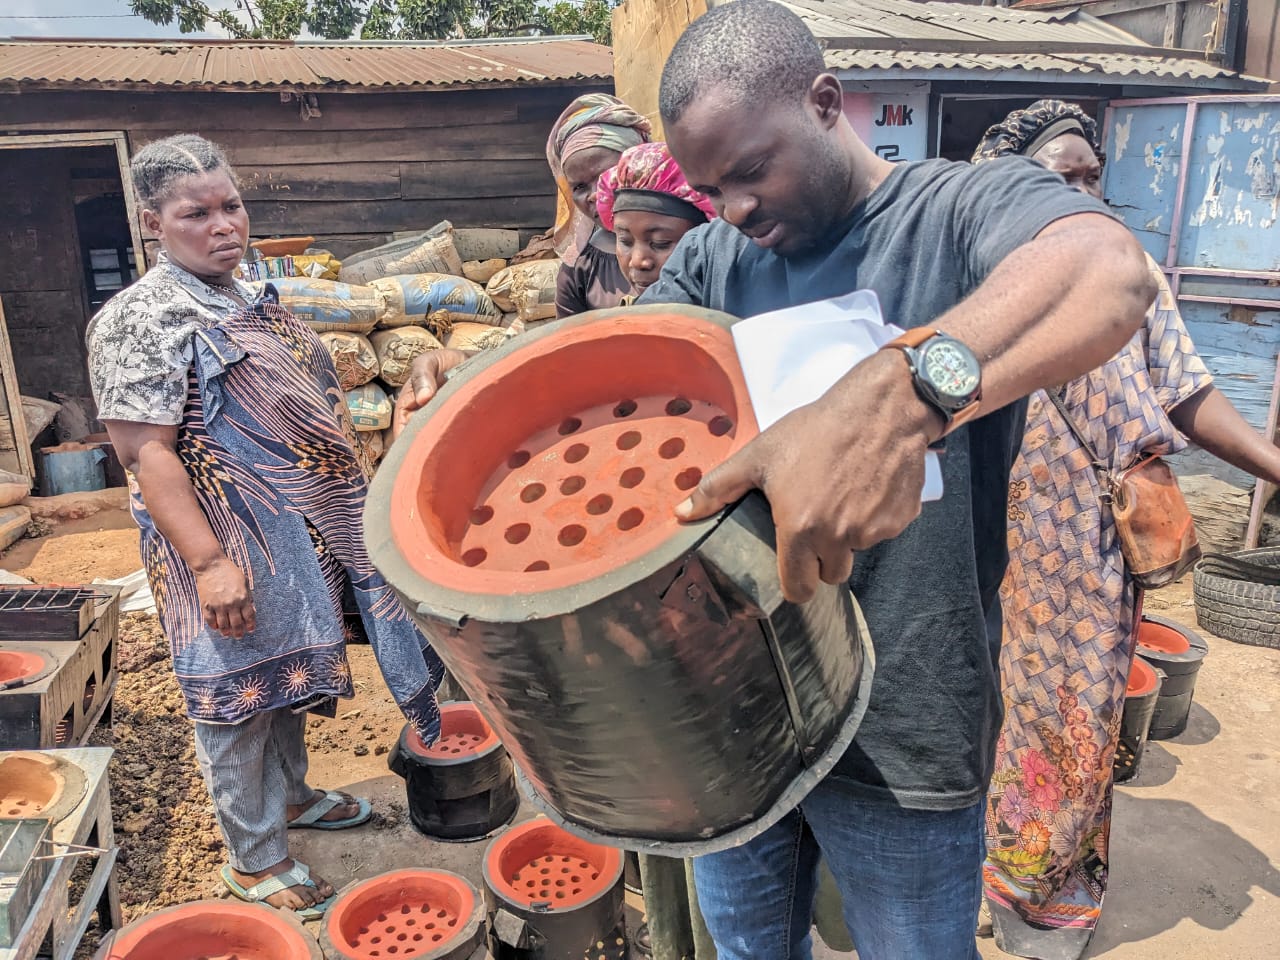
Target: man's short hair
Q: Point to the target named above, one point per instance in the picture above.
(757, 50)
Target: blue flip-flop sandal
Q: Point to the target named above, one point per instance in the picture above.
(309, 819)
(299, 875)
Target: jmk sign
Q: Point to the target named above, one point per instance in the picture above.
(894, 125)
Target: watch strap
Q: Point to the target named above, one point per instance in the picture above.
(912, 338)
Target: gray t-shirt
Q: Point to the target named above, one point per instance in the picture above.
(923, 241)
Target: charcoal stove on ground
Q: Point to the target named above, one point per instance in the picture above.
(647, 677)
(553, 896)
(462, 787)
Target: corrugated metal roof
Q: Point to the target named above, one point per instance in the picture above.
(914, 36)
(1098, 66)
(255, 64)
(905, 23)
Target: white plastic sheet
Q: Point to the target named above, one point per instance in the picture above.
(792, 357)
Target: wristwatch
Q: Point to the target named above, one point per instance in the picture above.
(946, 373)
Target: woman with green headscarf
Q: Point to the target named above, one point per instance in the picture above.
(587, 140)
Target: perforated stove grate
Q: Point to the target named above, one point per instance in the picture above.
(580, 490)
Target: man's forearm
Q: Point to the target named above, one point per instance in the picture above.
(1055, 308)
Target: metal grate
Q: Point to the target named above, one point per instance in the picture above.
(19, 599)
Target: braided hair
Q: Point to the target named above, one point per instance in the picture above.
(157, 166)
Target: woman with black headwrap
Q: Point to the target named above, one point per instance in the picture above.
(1070, 607)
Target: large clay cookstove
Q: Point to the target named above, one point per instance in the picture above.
(648, 678)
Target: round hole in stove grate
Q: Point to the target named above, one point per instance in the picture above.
(630, 519)
(631, 478)
(671, 449)
(719, 426)
(532, 492)
(599, 505)
(518, 459)
(538, 566)
(571, 485)
(569, 425)
(475, 556)
(678, 407)
(481, 515)
(576, 453)
(625, 409)
(518, 533)
(629, 440)
(688, 479)
(572, 535)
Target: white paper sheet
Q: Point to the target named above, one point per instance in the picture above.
(792, 357)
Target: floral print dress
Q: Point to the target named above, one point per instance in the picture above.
(1069, 616)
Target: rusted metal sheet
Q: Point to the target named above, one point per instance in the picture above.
(1198, 180)
(238, 64)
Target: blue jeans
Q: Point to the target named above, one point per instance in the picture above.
(911, 881)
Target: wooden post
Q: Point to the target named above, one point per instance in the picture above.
(1262, 490)
(15, 445)
(644, 31)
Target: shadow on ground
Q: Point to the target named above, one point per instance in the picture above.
(1153, 890)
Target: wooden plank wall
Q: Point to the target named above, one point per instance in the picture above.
(644, 31)
(371, 165)
(41, 275)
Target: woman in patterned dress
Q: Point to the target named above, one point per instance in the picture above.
(1070, 608)
(248, 488)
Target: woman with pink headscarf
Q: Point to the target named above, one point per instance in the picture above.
(587, 140)
(648, 205)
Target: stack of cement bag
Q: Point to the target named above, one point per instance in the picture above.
(415, 294)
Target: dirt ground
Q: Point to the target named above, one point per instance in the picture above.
(1195, 843)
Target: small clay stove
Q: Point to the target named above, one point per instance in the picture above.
(57, 664)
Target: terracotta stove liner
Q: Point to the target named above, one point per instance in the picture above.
(213, 930)
(420, 914)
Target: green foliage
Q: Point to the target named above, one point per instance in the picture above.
(592, 17)
(386, 19)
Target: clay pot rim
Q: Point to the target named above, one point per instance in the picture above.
(470, 928)
(25, 651)
(501, 888)
(74, 782)
(1197, 648)
(456, 606)
(490, 744)
(1143, 680)
(249, 911)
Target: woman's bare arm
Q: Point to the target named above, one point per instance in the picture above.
(149, 452)
(1210, 421)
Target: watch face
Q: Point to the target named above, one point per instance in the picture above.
(952, 369)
